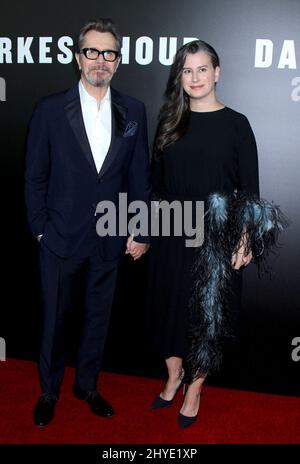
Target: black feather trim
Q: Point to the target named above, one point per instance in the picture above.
(228, 219)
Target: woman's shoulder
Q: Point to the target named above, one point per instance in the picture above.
(236, 115)
(239, 120)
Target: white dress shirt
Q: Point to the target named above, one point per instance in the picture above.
(97, 121)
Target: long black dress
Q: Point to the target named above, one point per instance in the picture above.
(217, 154)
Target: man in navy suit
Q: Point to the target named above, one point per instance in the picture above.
(85, 146)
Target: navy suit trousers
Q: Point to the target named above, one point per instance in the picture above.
(59, 279)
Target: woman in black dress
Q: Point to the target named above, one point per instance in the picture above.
(201, 146)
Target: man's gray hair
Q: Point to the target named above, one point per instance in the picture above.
(99, 25)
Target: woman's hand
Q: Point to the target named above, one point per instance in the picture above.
(135, 249)
(240, 258)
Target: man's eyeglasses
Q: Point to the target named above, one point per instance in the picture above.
(93, 54)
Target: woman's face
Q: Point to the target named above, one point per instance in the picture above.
(199, 76)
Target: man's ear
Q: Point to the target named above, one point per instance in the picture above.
(119, 60)
(77, 56)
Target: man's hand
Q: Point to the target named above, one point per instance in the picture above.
(135, 249)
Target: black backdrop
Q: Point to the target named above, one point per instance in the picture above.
(262, 83)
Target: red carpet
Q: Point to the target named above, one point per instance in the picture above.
(226, 416)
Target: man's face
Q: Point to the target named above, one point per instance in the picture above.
(99, 72)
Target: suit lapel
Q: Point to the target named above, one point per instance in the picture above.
(118, 115)
(74, 115)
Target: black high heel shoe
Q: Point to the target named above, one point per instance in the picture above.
(187, 421)
(160, 402)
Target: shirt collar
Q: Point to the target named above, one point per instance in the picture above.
(86, 97)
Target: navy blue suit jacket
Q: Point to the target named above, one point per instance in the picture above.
(63, 186)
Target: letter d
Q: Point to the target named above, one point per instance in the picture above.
(263, 53)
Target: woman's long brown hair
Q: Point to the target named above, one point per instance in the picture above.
(174, 114)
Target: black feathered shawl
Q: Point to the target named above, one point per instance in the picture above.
(227, 219)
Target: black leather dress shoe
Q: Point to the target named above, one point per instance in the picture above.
(44, 410)
(97, 404)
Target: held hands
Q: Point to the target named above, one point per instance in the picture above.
(135, 249)
(243, 256)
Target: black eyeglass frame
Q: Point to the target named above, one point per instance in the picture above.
(84, 51)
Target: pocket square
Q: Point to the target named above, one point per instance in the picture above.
(130, 128)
